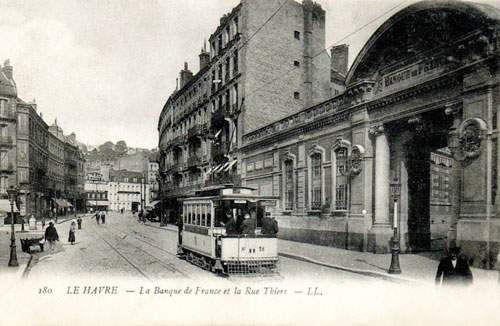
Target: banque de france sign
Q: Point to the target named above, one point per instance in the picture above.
(411, 73)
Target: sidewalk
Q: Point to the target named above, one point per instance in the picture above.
(22, 257)
(415, 268)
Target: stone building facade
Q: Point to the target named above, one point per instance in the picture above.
(32, 157)
(127, 190)
(8, 103)
(202, 123)
(415, 131)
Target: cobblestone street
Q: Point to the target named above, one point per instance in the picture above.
(124, 248)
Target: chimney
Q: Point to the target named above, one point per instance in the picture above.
(204, 59)
(7, 69)
(185, 75)
(340, 58)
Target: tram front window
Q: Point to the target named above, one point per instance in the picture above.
(219, 217)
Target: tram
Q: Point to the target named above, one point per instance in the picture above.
(205, 242)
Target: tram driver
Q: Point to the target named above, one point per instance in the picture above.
(230, 223)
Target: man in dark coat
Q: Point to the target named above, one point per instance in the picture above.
(454, 270)
(180, 226)
(230, 223)
(248, 225)
(51, 236)
(269, 226)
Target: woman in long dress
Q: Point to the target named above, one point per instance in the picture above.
(72, 229)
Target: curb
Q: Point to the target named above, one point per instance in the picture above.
(27, 269)
(385, 277)
(159, 227)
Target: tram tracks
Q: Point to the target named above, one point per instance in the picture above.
(136, 256)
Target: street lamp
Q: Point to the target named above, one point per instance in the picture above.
(13, 256)
(395, 190)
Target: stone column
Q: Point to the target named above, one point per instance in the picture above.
(382, 168)
(380, 235)
(455, 176)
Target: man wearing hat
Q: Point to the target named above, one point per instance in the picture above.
(453, 269)
(51, 235)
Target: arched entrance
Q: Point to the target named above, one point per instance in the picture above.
(428, 167)
(421, 165)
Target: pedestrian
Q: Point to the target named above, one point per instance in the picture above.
(97, 216)
(79, 221)
(103, 217)
(72, 229)
(121, 210)
(43, 223)
(269, 226)
(248, 225)
(51, 236)
(180, 226)
(453, 270)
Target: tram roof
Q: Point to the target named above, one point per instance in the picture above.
(228, 192)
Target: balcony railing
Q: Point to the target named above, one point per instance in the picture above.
(224, 179)
(8, 115)
(175, 167)
(220, 149)
(221, 113)
(7, 168)
(5, 141)
(196, 130)
(194, 161)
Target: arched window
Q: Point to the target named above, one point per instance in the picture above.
(316, 181)
(289, 185)
(341, 178)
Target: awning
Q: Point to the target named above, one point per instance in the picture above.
(62, 203)
(216, 168)
(68, 204)
(222, 167)
(154, 203)
(5, 206)
(228, 168)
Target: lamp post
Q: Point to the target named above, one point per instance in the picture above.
(142, 194)
(395, 268)
(13, 255)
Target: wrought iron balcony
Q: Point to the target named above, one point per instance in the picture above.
(221, 113)
(6, 168)
(194, 161)
(220, 149)
(224, 179)
(8, 115)
(196, 130)
(6, 141)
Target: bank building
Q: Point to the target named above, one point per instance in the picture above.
(414, 123)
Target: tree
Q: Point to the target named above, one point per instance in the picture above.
(121, 147)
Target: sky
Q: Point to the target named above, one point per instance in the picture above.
(105, 68)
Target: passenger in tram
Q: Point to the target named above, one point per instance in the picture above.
(230, 223)
(248, 225)
(269, 226)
